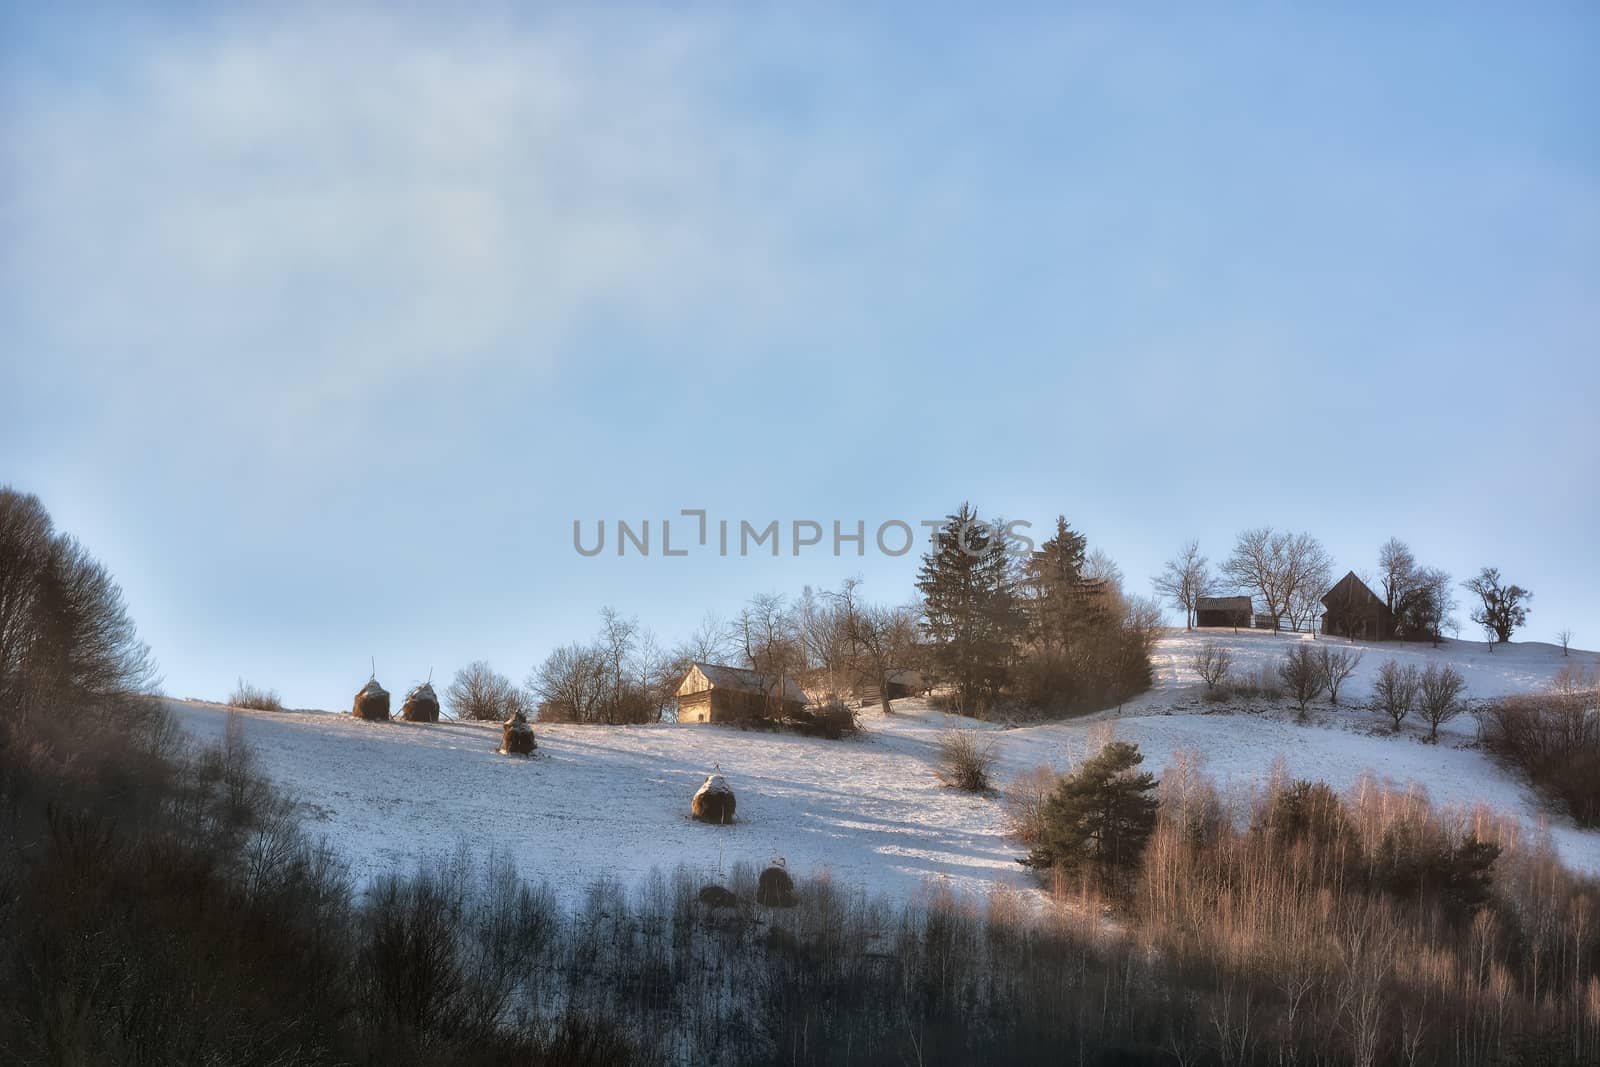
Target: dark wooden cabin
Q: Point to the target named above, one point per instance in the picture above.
(713, 693)
(1356, 611)
(1222, 611)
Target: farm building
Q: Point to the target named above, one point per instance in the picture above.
(1222, 611)
(1356, 611)
(713, 693)
(904, 683)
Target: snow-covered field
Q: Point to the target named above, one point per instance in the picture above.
(615, 800)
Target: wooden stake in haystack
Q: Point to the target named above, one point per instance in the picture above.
(421, 703)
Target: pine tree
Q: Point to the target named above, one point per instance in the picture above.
(1100, 817)
(969, 604)
(1063, 601)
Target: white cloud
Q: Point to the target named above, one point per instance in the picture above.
(296, 208)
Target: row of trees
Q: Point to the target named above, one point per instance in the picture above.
(1051, 629)
(1286, 575)
(64, 629)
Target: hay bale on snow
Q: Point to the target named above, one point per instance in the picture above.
(421, 705)
(715, 896)
(776, 888)
(714, 802)
(516, 736)
(372, 703)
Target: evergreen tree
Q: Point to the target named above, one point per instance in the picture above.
(1102, 816)
(1063, 601)
(969, 604)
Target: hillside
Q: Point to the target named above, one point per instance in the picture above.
(614, 800)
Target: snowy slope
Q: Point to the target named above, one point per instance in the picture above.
(869, 811)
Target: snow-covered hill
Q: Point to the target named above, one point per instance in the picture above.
(615, 800)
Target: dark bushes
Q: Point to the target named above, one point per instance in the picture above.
(1555, 738)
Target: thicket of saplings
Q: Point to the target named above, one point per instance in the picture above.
(158, 904)
(1554, 737)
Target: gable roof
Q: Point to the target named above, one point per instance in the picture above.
(1222, 603)
(743, 680)
(1351, 592)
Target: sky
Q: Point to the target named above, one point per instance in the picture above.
(324, 323)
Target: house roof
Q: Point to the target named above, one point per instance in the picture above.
(1351, 592)
(1222, 603)
(743, 680)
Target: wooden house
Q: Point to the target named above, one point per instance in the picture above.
(1356, 611)
(714, 693)
(1222, 611)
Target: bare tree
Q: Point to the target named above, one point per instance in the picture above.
(617, 641)
(1281, 568)
(1503, 607)
(1395, 691)
(1397, 569)
(571, 685)
(767, 633)
(1184, 579)
(1300, 671)
(64, 627)
(1431, 605)
(1212, 662)
(708, 643)
(479, 692)
(1338, 665)
(1439, 696)
(1565, 637)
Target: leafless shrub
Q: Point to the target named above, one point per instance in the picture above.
(966, 758)
(1337, 665)
(1395, 691)
(1025, 801)
(1212, 662)
(1555, 738)
(1439, 696)
(1300, 671)
(478, 692)
(255, 698)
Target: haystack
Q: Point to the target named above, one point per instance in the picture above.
(516, 736)
(372, 703)
(421, 705)
(776, 888)
(716, 896)
(714, 802)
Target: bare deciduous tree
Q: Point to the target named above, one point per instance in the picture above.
(479, 692)
(1502, 606)
(1337, 665)
(1184, 579)
(1280, 568)
(1300, 671)
(1212, 662)
(1439, 696)
(1395, 691)
(570, 685)
(1565, 637)
(1396, 571)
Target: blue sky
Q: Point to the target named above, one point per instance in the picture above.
(324, 324)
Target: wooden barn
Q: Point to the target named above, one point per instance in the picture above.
(713, 693)
(905, 683)
(1222, 611)
(1356, 611)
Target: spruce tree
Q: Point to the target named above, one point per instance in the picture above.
(1101, 817)
(969, 605)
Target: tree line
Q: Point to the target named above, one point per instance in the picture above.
(1286, 575)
